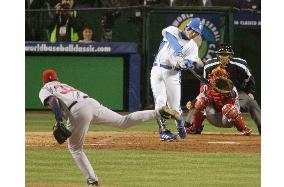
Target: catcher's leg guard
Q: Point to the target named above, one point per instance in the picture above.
(198, 115)
(189, 129)
(201, 103)
(197, 120)
(235, 117)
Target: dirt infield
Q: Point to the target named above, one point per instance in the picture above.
(209, 142)
(51, 185)
(59, 185)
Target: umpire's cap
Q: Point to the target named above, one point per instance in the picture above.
(195, 25)
(225, 48)
(49, 75)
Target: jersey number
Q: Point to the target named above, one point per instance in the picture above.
(64, 89)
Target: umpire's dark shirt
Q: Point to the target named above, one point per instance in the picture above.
(238, 71)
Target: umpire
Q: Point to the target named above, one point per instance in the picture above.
(242, 78)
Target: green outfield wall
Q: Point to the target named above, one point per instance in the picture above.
(143, 26)
(90, 74)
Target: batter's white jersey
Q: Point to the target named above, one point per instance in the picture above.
(166, 54)
(165, 80)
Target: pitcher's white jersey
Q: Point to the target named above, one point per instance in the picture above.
(166, 54)
(65, 93)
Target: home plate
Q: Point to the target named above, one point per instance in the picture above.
(224, 143)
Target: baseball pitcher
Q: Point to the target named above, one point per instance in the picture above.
(177, 51)
(219, 103)
(79, 110)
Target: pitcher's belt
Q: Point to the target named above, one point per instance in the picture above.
(166, 66)
(75, 102)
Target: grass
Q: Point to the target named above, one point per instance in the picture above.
(135, 168)
(43, 121)
(146, 168)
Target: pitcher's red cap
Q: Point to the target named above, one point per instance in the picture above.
(49, 75)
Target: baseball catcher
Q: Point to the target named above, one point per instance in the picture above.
(242, 78)
(218, 101)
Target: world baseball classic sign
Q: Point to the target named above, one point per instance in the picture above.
(210, 37)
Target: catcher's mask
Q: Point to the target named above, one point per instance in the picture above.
(49, 75)
(224, 53)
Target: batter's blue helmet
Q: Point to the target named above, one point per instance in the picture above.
(195, 25)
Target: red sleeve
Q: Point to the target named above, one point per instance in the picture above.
(219, 99)
(203, 88)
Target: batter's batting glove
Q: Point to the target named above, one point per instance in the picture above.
(181, 61)
(60, 132)
(189, 63)
(184, 63)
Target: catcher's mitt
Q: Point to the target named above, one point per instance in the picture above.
(223, 85)
(60, 132)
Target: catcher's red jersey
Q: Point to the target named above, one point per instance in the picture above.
(220, 99)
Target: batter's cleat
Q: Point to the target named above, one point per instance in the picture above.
(91, 182)
(181, 132)
(246, 132)
(168, 113)
(167, 135)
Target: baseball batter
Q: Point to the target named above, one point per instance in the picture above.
(221, 109)
(79, 110)
(177, 51)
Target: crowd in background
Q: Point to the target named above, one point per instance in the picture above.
(64, 23)
(242, 4)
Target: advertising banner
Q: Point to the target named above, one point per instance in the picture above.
(247, 20)
(210, 38)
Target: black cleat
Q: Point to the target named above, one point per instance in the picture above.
(92, 182)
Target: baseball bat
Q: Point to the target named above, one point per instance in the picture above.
(201, 79)
(206, 82)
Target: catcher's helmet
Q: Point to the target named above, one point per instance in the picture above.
(49, 75)
(225, 49)
(195, 25)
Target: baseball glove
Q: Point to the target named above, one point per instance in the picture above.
(60, 132)
(223, 85)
